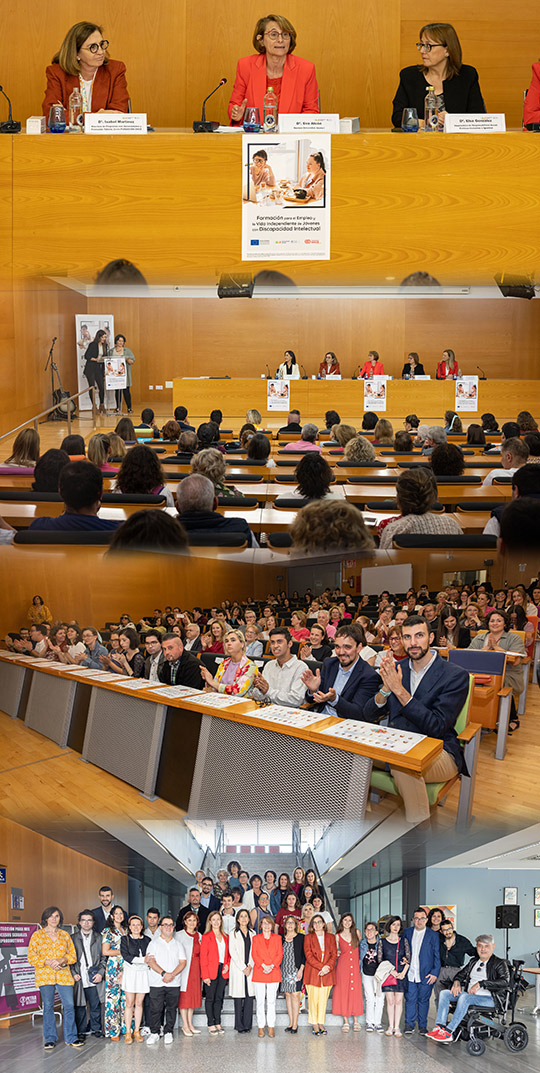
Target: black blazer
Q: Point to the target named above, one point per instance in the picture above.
(461, 93)
(133, 948)
(187, 674)
(418, 369)
(363, 683)
(299, 952)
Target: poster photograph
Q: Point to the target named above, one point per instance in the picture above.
(115, 374)
(278, 395)
(18, 991)
(375, 393)
(286, 197)
(467, 393)
(86, 327)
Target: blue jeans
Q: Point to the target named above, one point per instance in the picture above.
(417, 998)
(49, 1023)
(464, 1000)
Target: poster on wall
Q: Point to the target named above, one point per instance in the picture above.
(286, 197)
(18, 991)
(278, 395)
(375, 393)
(115, 374)
(467, 393)
(86, 328)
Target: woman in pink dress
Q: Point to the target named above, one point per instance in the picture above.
(347, 996)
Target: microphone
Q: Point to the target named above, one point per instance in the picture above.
(269, 374)
(355, 374)
(204, 125)
(483, 376)
(10, 126)
(304, 374)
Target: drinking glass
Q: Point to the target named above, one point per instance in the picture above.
(409, 121)
(57, 119)
(252, 121)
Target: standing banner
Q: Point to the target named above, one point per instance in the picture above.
(375, 393)
(286, 197)
(278, 395)
(467, 393)
(18, 991)
(85, 329)
(115, 374)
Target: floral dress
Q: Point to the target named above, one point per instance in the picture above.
(115, 998)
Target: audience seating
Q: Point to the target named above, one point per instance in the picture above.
(47, 536)
(425, 540)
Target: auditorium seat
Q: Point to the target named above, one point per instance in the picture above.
(51, 536)
(243, 502)
(485, 505)
(215, 539)
(279, 541)
(446, 540)
(345, 464)
(290, 503)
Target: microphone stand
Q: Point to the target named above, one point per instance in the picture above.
(483, 376)
(355, 374)
(304, 374)
(204, 125)
(11, 125)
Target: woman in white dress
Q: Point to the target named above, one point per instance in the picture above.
(135, 981)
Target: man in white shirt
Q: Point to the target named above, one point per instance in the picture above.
(514, 454)
(281, 678)
(474, 985)
(423, 971)
(193, 641)
(165, 963)
(228, 913)
(154, 657)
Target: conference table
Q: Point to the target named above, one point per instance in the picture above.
(201, 751)
(459, 206)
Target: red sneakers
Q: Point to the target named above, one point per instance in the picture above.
(440, 1035)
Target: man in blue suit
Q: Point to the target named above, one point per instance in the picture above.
(345, 681)
(423, 694)
(423, 971)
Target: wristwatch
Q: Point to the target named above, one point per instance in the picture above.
(162, 973)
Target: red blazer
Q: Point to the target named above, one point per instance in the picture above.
(333, 371)
(531, 107)
(210, 958)
(315, 960)
(267, 953)
(444, 372)
(109, 90)
(368, 372)
(299, 89)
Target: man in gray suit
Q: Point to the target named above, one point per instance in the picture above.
(89, 975)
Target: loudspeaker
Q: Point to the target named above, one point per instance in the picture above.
(507, 916)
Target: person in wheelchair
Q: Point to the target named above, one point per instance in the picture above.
(476, 984)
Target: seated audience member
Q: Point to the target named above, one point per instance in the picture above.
(454, 949)
(474, 985)
(346, 682)
(208, 436)
(254, 647)
(213, 640)
(372, 367)
(423, 694)
(236, 673)
(179, 668)
(329, 366)
(403, 443)
(196, 502)
(514, 453)
(435, 436)
(416, 493)
(526, 422)
(306, 441)
(298, 629)
(383, 433)
(448, 368)
(89, 975)
(81, 487)
(180, 415)
(411, 423)
(489, 424)
(129, 660)
(217, 417)
(118, 448)
(141, 474)
(509, 431)
(193, 641)
(499, 638)
(280, 681)
(447, 460)
(449, 633)
(100, 451)
(314, 476)
(331, 418)
(126, 430)
(421, 435)
(47, 470)
(317, 647)
(259, 448)
(395, 647)
(75, 447)
(212, 464)
(154, 656)
(369, 421)
(186, 446)
(359, 450)
(476, 436)
(170, 432)
(150, 530)
(254, 417)
(341, 434)
(525, 485)
(120, 273)
(147, 423)
(330, 525)
(532, 439)
(293, 423)
(94, 650)
(452, 423)
(25, 451)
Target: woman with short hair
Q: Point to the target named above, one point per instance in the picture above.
(412, 367)
(141, 474)
(38, 612)
(293, 79)
(235, 674)
(416, 494)
(267, 954)
(212, 464)
(292, 970)
(359, 450)
(120, 350)
(320, 950)
(51, 952)
(297, 629)
(190, 980)
(258, 450)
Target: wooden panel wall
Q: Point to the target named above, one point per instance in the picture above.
(177, 50)
(51, 874)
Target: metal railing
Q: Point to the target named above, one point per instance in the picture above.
(63, 402)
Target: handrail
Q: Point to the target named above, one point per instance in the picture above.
(34, 420)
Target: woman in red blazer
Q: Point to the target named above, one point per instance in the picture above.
(320, 949)
(531, 107)
(215, 962)
(83, 62)
(293, 80)
(448, 368)
(267, 954)
(329, 366)
(373, 366)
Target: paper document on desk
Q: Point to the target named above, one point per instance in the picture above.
(377, 737)
(290, 717)
(175, 691)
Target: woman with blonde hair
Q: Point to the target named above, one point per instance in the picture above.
(359, 450)
(254, 417)
(343, 433)
(25, 451)
(329, 525)
(99, 452)
(212, 464)
(118, 447)
(215, 966)
(235, 674)
(213, 639)
(82, 62)
(383, 432)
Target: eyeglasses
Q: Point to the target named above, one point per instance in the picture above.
(103, 45)
(274, 36)
(426, 47)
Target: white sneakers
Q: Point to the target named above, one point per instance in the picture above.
(152, 1039)
(168, 1038)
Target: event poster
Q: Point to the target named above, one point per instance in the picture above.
(286, 197)
(115, 374)
(375, 393)
(278, 394)
(18, 990)
(467, 393)
(85, 330)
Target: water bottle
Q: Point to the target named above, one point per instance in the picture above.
(431, 111)
(270, 113)
(75, 111)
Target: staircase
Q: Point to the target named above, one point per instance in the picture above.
(260, 863)
(282, 1018)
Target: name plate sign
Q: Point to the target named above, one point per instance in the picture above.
(290, 122)
(494, 123)
(115, 123)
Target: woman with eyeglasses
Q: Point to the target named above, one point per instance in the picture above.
(455, 83)
(292, 79)
(82, 62)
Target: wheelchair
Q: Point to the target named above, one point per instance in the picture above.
(481, 1024)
